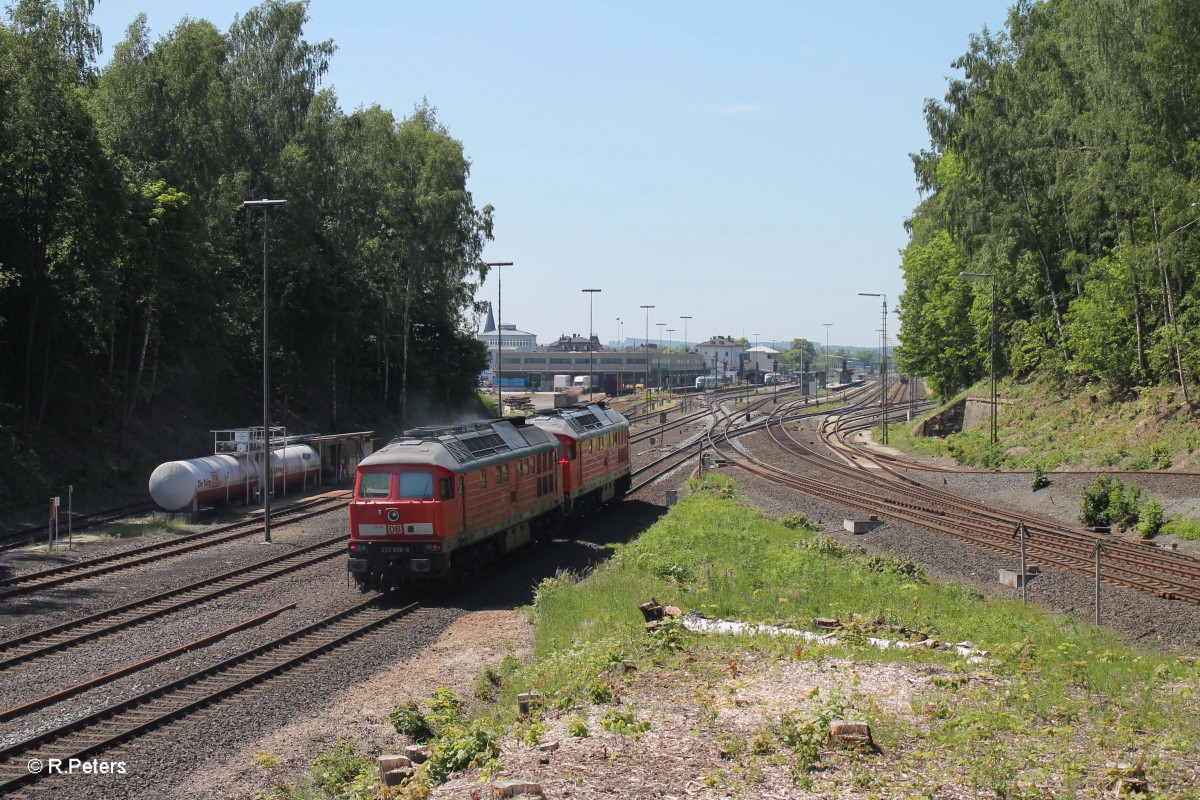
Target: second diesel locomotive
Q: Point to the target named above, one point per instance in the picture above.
(441, 502)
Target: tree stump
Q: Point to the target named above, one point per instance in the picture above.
(527, 701)
(851, 734)
(502, 789)
(652, 611)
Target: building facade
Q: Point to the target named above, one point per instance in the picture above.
(722, 356)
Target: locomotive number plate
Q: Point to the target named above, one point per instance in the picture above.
(394, 548)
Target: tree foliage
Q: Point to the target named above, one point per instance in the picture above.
(1063, 162)
(129, 269)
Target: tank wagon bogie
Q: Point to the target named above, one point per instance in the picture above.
(441, 502)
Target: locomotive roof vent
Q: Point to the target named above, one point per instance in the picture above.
(583, 421)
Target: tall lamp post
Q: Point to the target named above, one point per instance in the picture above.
(660, 325)
(620, 339)
(670, 358)
(591, 293)
(647, 348)
(686, 349)
(268, 478)
(882, 362)
(827, 325)
(499, 334)
(993, 399)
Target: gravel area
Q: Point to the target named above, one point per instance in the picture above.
(297, 715)
(30, 612)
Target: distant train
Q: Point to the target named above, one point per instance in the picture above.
(442, 502)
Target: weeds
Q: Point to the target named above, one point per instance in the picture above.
(1039, 479)
(408, 720)
(624, 722)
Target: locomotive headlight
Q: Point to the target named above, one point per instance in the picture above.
(433, 547)
(393, 515)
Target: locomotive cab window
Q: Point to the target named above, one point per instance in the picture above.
(374, 485)
(416, 486)
(445, 488)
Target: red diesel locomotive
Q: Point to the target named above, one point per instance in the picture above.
(593, 454)
(440, 502)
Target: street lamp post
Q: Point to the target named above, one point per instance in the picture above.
(686, 349)
(882, 362)
(268, 481)
(670, 358)
(499, 334)
(620, 340)
(803, 378)
(827, 325)
(660, 325)
(993, 399)
(591, 293)
(647, 349)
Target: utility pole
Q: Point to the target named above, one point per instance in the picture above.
(499, 334)
(268, 478)
(647, 348)
(591, 293)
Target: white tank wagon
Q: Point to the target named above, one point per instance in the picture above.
(181, 485)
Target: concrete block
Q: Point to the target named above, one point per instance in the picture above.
(1010, 578)
(860, 525)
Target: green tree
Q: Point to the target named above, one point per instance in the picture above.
(65, 197)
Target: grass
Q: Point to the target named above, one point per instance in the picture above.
(1054, 700)
(1184, 529)
(149, 526)
(1070, 696)
(1051, 426)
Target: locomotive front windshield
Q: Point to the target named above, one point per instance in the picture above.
(374, 485)
(416, 486)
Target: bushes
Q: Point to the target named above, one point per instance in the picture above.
(1038, 479)
(1152, 519)
(1111, 501)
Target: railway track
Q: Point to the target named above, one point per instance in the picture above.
(891, 494)
(120, 722)
(79, 521)
(57, 638)
(103, 565)
(728, 421)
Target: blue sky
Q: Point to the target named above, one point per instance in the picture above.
(745, 164)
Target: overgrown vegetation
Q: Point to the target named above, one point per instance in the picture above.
(341, 773)
(1043, 426)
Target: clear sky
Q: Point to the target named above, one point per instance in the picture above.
(743, 163)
